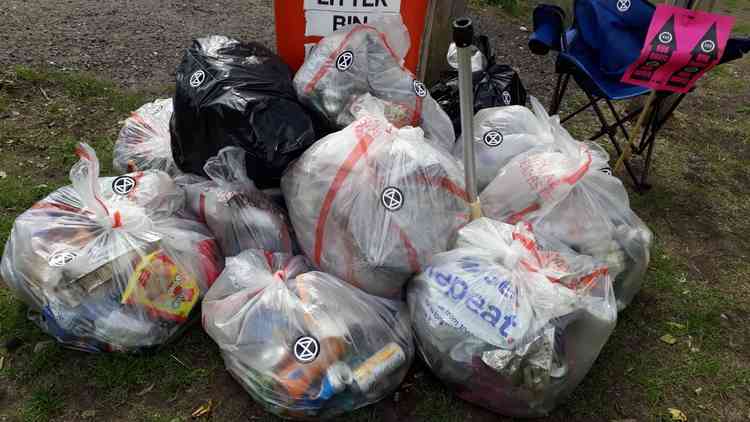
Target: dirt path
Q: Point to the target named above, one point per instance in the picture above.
(137, 43)
(140, 45)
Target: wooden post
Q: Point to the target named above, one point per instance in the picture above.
(437, 37)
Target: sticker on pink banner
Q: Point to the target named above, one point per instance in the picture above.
(681, 46)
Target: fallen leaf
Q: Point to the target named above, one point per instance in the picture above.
(43, 345)
(668, 338)
(145, 390)
(203, 410)
(676, 325)
(698, 390)
(2, 362)
(677, 415)
(88, 414)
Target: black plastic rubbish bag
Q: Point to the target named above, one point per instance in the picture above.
(371, 203)
(368, 59)
(305, 344)
(495, 85)
(237, 213)
(236, 94)
(104, 265)
(509, 320)
(144, 142)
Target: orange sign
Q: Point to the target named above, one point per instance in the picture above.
(302, 23)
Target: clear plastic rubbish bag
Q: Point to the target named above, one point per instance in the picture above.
(305, 344)
(510, 321)
(144, 142)
(237, 213)
(368, 59)
(104, 265)
(567, 191)
(371, 203)
(502, 133)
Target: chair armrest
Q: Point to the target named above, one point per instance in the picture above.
(548, 29)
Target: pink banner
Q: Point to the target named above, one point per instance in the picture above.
(681, 46)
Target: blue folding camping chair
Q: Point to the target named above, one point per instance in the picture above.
(607, 36)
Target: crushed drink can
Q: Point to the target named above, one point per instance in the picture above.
(387, 360)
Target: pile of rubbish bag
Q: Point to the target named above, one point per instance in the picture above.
(372, 203)
(304, 343)
(352, 163)
(238, 94)
(509, 320)
(104, 264)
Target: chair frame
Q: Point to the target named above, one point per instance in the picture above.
(656, 119)
(645, 145)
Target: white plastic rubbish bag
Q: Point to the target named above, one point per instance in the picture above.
(510, 321)
(368, 59)
(305, 344)
(371, 203)
(144, 142)
(237, 213)
(502, 133)
(104, 266)
(566, 190)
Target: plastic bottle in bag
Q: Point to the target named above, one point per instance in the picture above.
(104, 265)
(371, 203)
(305, 344)
(368, 59)
(566, 191)
(237, 213)
(144, 142)
(510, 321)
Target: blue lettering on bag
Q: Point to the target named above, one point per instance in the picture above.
(458, 290)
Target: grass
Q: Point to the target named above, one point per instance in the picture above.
(41, 406)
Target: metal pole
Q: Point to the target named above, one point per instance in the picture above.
(463, 36)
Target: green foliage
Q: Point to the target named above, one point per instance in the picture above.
(42, 405)
(509, 5)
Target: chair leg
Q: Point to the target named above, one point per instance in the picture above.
(560, 88)
(620, 121)
(613, 139)
(649, 140)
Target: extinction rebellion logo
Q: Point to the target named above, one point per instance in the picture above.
(345, 61)
(306, 349)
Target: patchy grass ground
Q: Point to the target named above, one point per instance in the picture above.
(697, 288)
